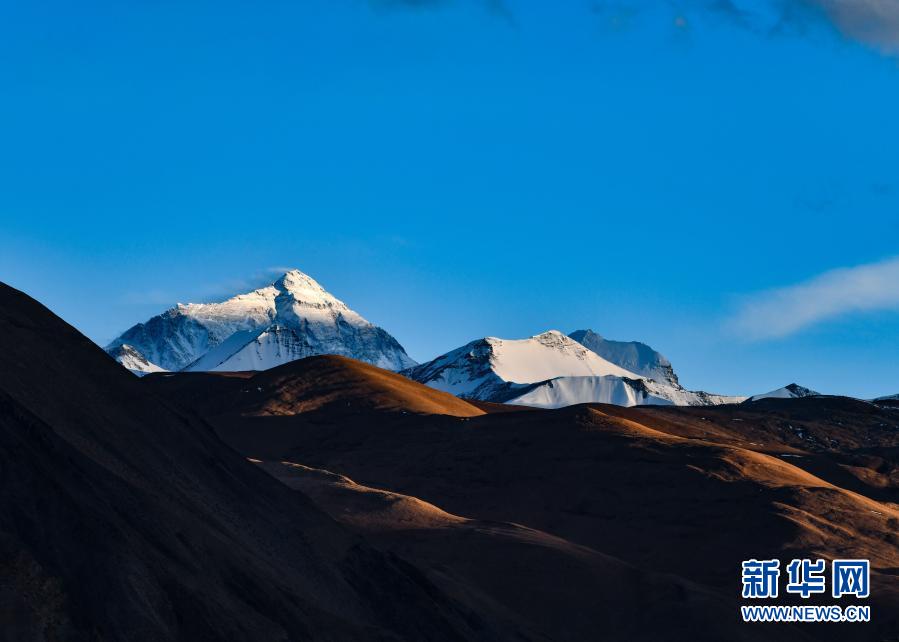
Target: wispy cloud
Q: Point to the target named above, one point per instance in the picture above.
(872, 22)
(875, 22)
(230, 287)
(210, 291)
(785, 311)
(272, 272)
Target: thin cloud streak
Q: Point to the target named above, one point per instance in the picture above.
(874, 23)
(784, 311)
(205, 293)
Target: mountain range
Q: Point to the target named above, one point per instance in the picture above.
(295, 317)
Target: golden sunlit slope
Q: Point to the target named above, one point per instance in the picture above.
(338, 383)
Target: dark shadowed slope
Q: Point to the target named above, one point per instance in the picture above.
(686, 491)
(561, 590)
(124, 519)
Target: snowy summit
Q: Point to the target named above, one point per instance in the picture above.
(552, 370)
(292, 318)
(792, 391)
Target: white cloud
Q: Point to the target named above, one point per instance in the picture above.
(274, 272)
(875, 22)
(872, 22)
(784, 311)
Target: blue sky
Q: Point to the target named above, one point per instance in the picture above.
(676, 173)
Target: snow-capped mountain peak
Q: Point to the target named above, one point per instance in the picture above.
(791, 391)
(303, 288)
(301, 297)
(547, 370)
(299, 282)
(490, 368)
(291, 318)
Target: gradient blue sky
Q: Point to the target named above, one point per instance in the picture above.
(461, 169)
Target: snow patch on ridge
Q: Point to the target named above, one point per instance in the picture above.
(132, 359)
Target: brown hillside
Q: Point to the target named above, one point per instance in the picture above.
(122, 518)
(339, 383)
(686, 491)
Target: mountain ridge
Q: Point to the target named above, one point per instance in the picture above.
(630, 355)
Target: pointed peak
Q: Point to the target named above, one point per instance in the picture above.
(294, 278)
(303, 287)
(791, 391)
(800, 391)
